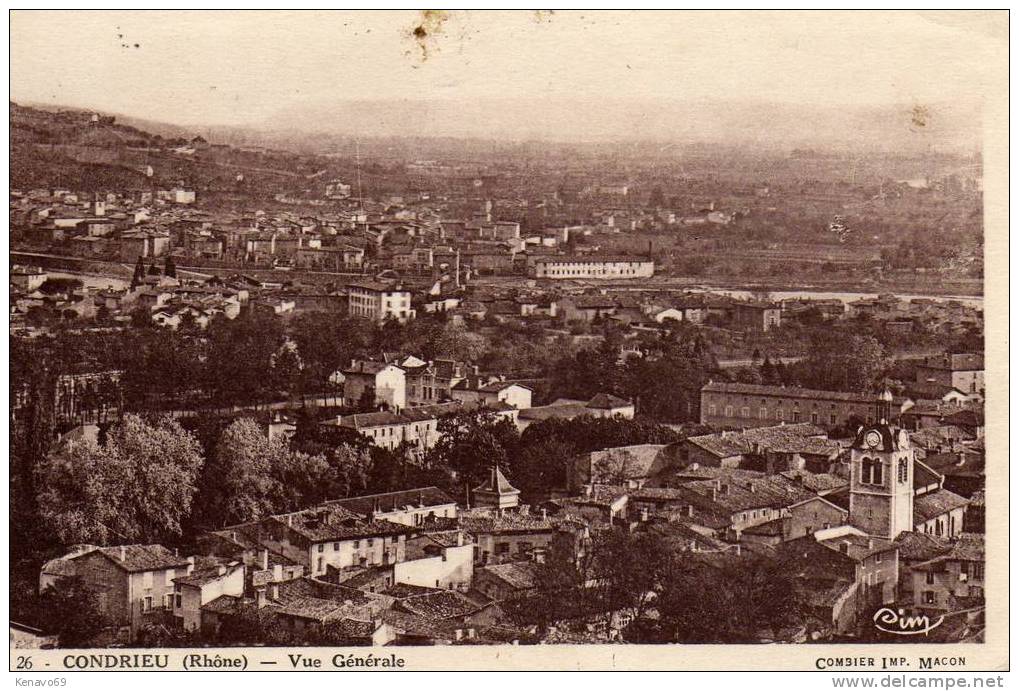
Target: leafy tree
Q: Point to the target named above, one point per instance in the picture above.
(285, 367)
(138, 486)
(239, 354)
(840, 361)
(57, 285)
(456, 342)
(238, 483)
(141, 318)
(71, 611)
(470, 444)
(541, 467)
(634, 567)
(302, 480)
(139, 274)
(747, 596)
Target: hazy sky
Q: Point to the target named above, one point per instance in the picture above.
(235, 68)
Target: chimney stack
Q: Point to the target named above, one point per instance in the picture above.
(274, 591)
(123, 553)
(260, 598)
(263, 558)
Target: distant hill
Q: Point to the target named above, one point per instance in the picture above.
(906, 128)
(89, 151)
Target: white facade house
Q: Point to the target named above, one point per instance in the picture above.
(594, 267)
(378, 301)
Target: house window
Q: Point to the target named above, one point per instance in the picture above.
(744, 412)
(321, 548)
(336, 546)
(728, 411)
(930, 578)
(762, 413)
(877, 558)
(976, 571)
(712, 410)
(147, 603)
(903, 470)
(502, 548)
(179, 601)
(831, 419)
(371, 541)
(321, 564)
(930, 597)
(357, 544)
(167, 600)
(813, 418)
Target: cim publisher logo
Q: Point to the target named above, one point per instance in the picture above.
(899, 623)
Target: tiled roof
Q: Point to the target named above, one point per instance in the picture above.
(858, 547)
(206, 574)
(766, 492)
(482, 521)
(924, 476)
(401, 591)
(392, 501)
(957, 464)
(521, 575)
(604, 401)
(443, 604)
(223, 604)
(800, 437)
(134, 558)
(788, 392)
(547, 412)
(636, 461)
(497, 484)
(326, 523)
(815, 482)
(937, 503)
(966, 547)
(914, 546)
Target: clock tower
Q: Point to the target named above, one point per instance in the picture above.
(881, 476)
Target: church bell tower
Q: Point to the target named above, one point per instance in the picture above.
(881, 476)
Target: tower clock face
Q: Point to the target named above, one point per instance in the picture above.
(873, 439)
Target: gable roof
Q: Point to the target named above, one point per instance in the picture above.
(937, 503)
(137, 558)
(392, 501)
(604, 401)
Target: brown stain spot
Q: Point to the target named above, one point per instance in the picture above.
(429, 26)
(543, 16)
(920, 116)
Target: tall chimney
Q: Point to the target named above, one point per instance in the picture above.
(263, 557)
(123, 553)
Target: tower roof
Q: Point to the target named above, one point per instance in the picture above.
(497, 484)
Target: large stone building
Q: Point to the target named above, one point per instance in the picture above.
(594, 267)
(731, 404)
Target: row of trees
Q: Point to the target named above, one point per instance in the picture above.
(670, 596)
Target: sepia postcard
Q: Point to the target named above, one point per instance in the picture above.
(508, 340)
